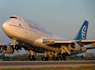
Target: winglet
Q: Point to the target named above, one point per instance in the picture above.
(81, 35)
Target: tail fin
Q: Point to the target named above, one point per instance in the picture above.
(81, 35)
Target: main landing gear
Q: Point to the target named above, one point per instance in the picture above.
(32, 55)
(45, 58)
(62, 57)
(55, 58)
(59, 57)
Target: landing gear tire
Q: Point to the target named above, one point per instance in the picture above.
(55, 58)
(64, 57)
(45, 58)
(32, 57)
(61, 58)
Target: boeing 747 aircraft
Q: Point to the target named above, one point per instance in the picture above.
(36, 39)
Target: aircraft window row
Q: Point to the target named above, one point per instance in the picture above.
(19, 19)
(27, 21)
(14, 17)
(40, 29)
(30, 22)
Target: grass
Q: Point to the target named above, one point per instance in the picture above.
(55, 68)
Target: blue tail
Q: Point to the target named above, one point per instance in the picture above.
(81, 35)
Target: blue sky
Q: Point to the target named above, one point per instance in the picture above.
(63, 17)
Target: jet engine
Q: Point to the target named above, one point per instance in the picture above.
(0, 49)
(74, 46)
(7, 49)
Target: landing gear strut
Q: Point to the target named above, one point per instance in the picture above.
(55, 57)
(31, 55)
(62, 57)
(46, 58)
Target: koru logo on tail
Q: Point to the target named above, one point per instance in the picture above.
(83, 32)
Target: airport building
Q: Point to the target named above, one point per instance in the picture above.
(89, 54)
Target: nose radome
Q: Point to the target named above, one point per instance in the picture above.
(4, 26)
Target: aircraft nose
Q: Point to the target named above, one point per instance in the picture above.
(4, 26)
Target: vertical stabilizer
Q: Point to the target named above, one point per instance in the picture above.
(81, 35)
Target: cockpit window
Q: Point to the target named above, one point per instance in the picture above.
(14, 17)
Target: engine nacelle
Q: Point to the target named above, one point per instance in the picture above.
(7, 49)
(0, 49)
(74, 46)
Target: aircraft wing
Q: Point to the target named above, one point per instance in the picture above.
(81, 42)
(67, 42)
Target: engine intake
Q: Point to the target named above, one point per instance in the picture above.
(8, 49)
(74, 46)
(0, 49)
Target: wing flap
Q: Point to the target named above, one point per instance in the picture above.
(88, 41)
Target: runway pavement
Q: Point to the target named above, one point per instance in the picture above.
(26, 64)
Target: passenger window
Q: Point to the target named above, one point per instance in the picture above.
(19, 19)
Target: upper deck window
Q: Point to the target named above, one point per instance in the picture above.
(13, 17)
(19, 19)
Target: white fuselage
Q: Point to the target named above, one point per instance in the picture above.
(28, 32)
